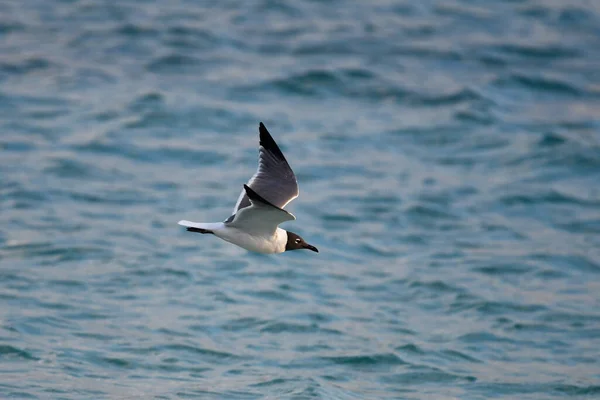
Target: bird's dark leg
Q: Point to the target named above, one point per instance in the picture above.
(200, 230)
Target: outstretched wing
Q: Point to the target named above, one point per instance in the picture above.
(274, 180)
(260, 218)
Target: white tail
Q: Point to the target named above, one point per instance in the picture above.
(210, 226)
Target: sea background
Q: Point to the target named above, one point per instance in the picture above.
(448, 155)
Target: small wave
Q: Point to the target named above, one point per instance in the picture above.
(43, 325)
(309, 83)
(355, 82)
(71, 168)
(270, 382)
(466, 302)
(544, 84)
(433, 52)
(349, 218)
(462, 95)
(457, 355)
(25, 66)
(545, 197)
(578, 390)
(172, 63)
(504, 269)
(552, 140)
(426, 376)
(586, 226)
(8, 352)
(286, 327)
(547, 84)
(275, 295)
(165, 271)
(384, 359)
(136, 30)
(197, 350)
(154, 153)
(149, 101)
(7, 26)
(485, 337)
(116, 362)
(359, 83)
(436, 286)
(329, 48)
(188, 38)
(568, 262)
(49, 250)
(428, 212)
(24, 199)
(242, 324)
(150, 119)
(380, 249)
(532, 327)
(544, 52)
(410, 349)
(500, 308)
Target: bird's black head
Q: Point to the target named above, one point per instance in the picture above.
(295, 242)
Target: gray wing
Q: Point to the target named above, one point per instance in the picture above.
(261, 218)
(274, 180)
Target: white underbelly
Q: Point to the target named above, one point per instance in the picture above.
(258, 244)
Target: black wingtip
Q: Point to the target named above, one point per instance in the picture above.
(267, 141)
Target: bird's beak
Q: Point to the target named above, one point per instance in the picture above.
(313, 248)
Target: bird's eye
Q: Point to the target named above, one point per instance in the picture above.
(298, 240)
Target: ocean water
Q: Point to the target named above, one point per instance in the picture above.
(448, 155)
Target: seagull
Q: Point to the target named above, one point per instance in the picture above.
(259, 210)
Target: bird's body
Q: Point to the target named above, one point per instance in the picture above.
(259, 209)
(260, 244)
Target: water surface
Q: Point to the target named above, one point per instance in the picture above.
(448, 155)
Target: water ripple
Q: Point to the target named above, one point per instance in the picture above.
(447, 154)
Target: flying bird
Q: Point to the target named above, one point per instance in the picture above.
(254, 224)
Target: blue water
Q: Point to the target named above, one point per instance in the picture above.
(448, 155)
